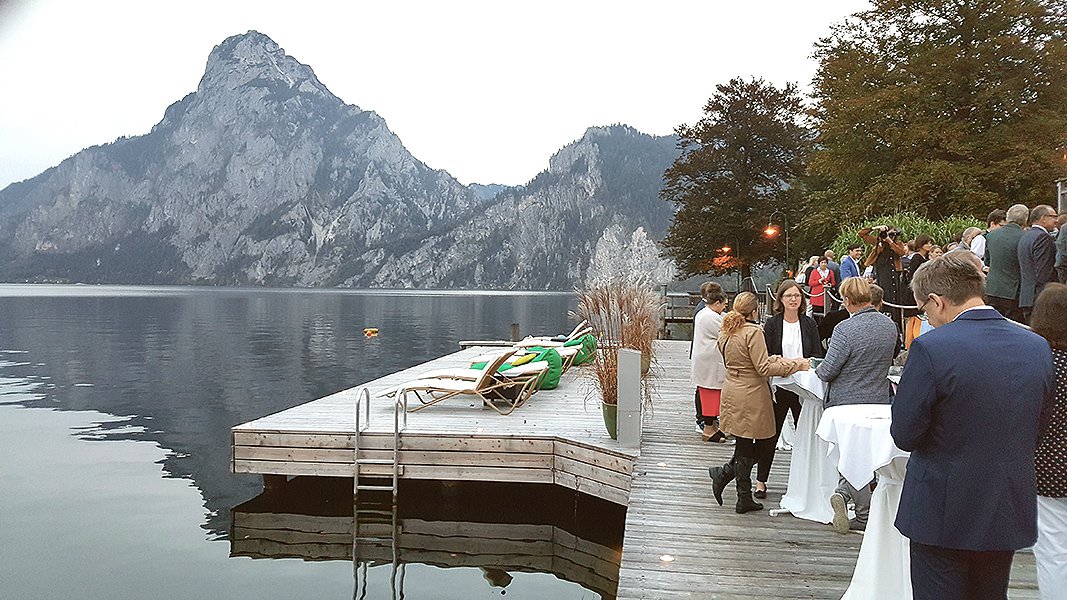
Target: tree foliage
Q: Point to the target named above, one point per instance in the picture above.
(736, 167)
(941, 107)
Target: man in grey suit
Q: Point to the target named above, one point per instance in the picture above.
(857, 362)
(1002, 259)
(1037, 257)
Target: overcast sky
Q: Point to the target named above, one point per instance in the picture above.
(485, 90)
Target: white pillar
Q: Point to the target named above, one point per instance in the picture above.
(629, 390)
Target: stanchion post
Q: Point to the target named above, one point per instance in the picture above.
(629, 394)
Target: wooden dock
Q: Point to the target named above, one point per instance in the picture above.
(718, 553)
(558, 437)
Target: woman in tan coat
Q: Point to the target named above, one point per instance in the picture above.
(747, 409)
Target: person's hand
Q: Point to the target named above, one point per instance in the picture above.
(804, 364)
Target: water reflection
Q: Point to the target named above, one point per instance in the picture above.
(184, 365)
(115, 412)
(500, 530)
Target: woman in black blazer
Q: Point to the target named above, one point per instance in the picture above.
(782, 332)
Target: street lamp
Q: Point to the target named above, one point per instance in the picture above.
(772, 231)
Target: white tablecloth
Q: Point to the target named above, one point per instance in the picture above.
(860, 446)
(812, 476)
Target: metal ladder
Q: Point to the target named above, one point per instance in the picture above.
(363, 398)
(399, 406)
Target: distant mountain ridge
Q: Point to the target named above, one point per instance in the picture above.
(263, 177)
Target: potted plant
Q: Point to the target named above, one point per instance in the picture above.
(624, 313)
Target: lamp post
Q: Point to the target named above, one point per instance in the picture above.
(772, 231)
(1061, 194)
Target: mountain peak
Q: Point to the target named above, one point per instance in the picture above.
(250, 48)
(254, 57)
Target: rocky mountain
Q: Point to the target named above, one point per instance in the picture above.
(263, 177)
(544, 235)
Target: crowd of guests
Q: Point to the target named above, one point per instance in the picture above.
(971, 498)
(1028, 251)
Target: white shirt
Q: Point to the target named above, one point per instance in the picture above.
(978, 246)
(792, 345)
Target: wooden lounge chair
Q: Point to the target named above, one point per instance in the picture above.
(489, 384)
(554, 342)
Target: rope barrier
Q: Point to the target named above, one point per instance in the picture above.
(773, 296)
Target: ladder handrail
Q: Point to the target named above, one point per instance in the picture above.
(363, 398)
(363, 393)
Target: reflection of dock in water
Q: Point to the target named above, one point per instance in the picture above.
(499, 528)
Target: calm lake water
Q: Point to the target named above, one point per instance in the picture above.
(115, 410)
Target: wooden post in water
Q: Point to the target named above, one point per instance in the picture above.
(629, 393)
(514, 332)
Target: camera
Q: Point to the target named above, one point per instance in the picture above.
(885, 233)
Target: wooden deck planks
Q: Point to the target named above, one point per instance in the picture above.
(718, 553)
(556, 437)
(559, 437)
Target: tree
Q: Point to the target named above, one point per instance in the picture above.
(736, 167)
(938, 106)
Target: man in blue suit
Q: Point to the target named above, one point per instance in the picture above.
(850, 264)
(970, 496)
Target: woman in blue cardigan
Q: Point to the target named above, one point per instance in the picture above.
(791, 334)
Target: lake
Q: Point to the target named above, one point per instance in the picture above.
(115, 410)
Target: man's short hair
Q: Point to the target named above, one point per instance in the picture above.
(854, 246)
(969, 234)
(829, 254)
(1039, 211)
(877, 295)
(996, 217)
(704, 288)
(954, 277)
(971, 256)
(856, 290)
(1018, 214)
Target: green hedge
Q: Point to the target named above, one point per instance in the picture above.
(910, 225)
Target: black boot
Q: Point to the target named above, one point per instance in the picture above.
(745, 503)
(720, 478)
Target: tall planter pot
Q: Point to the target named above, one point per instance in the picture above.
(611, 418)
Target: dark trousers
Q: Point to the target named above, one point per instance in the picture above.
(750, 448)
(785, 402)
(948, 574)
(1007, 307)
(700, 416)
(1061, 273)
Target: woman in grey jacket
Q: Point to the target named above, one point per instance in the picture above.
(855, 370)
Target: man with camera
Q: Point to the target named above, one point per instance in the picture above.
(885, 254)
